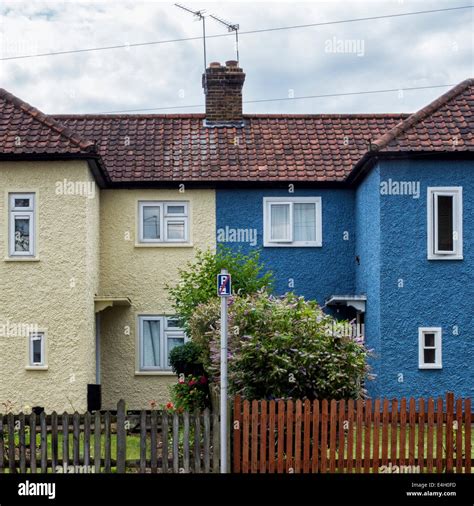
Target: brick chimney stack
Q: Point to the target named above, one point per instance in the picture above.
(223, 88)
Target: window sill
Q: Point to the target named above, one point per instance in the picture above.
(289, 245)
(164, 245)
(445, 257)
(155, 373)
(428, 367)
(36, 367)
(21, 259)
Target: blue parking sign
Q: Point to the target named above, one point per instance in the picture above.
(224, 285)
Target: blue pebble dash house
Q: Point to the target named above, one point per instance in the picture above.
(372, 215)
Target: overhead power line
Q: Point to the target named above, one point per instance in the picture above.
(248, 32)
(326, 95)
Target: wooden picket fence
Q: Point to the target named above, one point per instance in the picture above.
(363, 436)
(103, 442)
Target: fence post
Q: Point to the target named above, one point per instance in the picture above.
(230, 425)
(11, 443)
(2, 446)
(121, 437)
(236, 434)
(215, 442)
(449, 431)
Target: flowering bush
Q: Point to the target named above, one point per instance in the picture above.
(282, 347)
(170, 408)
(190, 393)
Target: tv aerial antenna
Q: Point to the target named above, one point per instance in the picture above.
(231, 27)
(199, 15)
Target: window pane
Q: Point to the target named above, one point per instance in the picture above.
(280, 222)
(151, 222)
(173, 322)
(151, 343)
(36, 349)
(21, 203)
(305, 222)
(430, 340)
(429, 356)
(172, 343)
(22, 234)
(175, 230)
(445, 223)
(178, 209)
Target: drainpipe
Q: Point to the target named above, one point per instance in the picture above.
(97, 348)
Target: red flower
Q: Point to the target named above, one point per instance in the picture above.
(169, 405)
(192, 382)
(203, 380)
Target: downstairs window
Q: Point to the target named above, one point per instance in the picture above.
(429, 348)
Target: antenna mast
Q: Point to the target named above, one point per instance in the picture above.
(231, 27)
(200, 15)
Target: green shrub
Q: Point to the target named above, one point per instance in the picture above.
(198, 280)
(186, 359)
(282, 347)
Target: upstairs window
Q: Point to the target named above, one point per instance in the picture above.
(292, 221)
(163, 222)
(158, 336)
(22, 225)
(429, 348)
(445, 223)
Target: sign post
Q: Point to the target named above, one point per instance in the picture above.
(224, 290)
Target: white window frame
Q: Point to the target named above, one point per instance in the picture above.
(21, 212)
(165, 219)
(437, 331)
(267, 204)
(32, 337)
(166, 330)
(432, 222)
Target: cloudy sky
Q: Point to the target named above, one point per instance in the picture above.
(391, 53)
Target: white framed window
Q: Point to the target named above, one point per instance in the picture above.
(445, 240)
(429, 348)
(36, 349)
(163, 222)
(292, 221)
(158, 335)
(21, 237)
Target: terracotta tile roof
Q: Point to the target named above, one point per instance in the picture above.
(178, 147)
(24, 131)
(321, 148)
(446, 124)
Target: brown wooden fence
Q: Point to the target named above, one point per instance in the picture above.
(104, 442)
(363, 436)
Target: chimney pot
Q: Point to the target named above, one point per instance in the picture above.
(214, 64)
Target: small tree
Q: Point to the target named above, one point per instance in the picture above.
(282, 347)
(198, 279)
